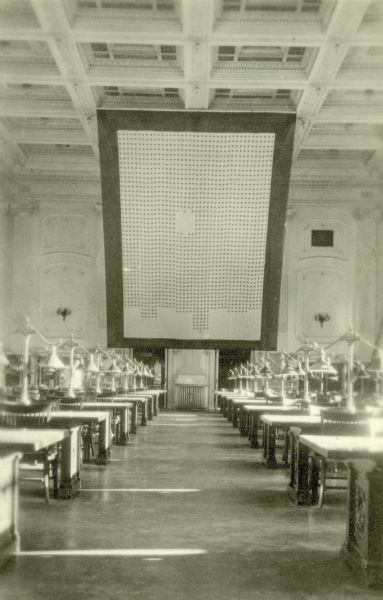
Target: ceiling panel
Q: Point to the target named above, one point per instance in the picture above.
(323, 59)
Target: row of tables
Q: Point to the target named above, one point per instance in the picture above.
(116, 418)
(304, 450)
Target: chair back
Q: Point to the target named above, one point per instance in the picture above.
(343, 422)
(106, 396)
(19, 415)
(90, 395)
(67, 403)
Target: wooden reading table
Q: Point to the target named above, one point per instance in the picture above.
(127, 413)
(73, 418)
(226, 402)
(363, 548)
(34, 440)
(239, 417)
(273, 422)
(254, 416)
(151, 407)
(9, 530)
(143, 404)
(156, 398)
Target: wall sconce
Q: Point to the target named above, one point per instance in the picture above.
(63, 312)
(322, 318)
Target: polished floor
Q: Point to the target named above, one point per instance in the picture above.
(185, 512)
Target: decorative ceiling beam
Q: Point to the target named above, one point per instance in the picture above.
(49, 136)
(197, 20)
(54, 19)
(27, 34)
(33, 77)
(61, 163)
(127, 31)
(342, 141)
(350, 115)
(25, 107)
(343, 24)
(355, 79)
(10, 152)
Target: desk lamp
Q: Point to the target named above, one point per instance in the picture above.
(266, 374)
(287, 373)
(3, 363)
(251, 376)
(232, 377)
(244, 377)
(305, 350)
(113, 370)
(322, 367)
(27, 330)
(148, 375)
(254, 376)
(376, 369)
(75, 362)
(126, 372)
(350, 338)
(360, 374)
(92, 368)
(141, 369)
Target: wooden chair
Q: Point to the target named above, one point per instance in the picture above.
(44, 461)
(109, 396)
(88, 435)
(333, 474)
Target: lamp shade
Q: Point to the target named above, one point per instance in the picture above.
(322, 365)
(300, 372)
(53, 361)
(92, 367)
(78, 362)
(376, 364)
(3, 357)
(360, 371)
(266, 372)
(289, 373)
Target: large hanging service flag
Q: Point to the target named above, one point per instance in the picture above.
(194, 207)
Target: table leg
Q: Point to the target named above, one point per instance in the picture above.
(156, 405)
(270, 433)
(229, 413)
(302, 492)
(144, 412)
(244, 422)
(224, 406)
(70, 465)
(250, 427)
(235, 416)
(240, 420)
(150, 408)
(134, 418)
(363, 548)
(293, 461)
(124, 426)
(254, 443)
(316, 469)
(286, 447)
(103, 449)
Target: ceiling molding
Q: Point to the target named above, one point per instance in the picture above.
(60, 62)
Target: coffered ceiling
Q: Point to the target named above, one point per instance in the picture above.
(60, 60)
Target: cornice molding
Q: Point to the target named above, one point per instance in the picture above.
(365, 213)
(23, 208)
(300, 184)
(58, 178)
